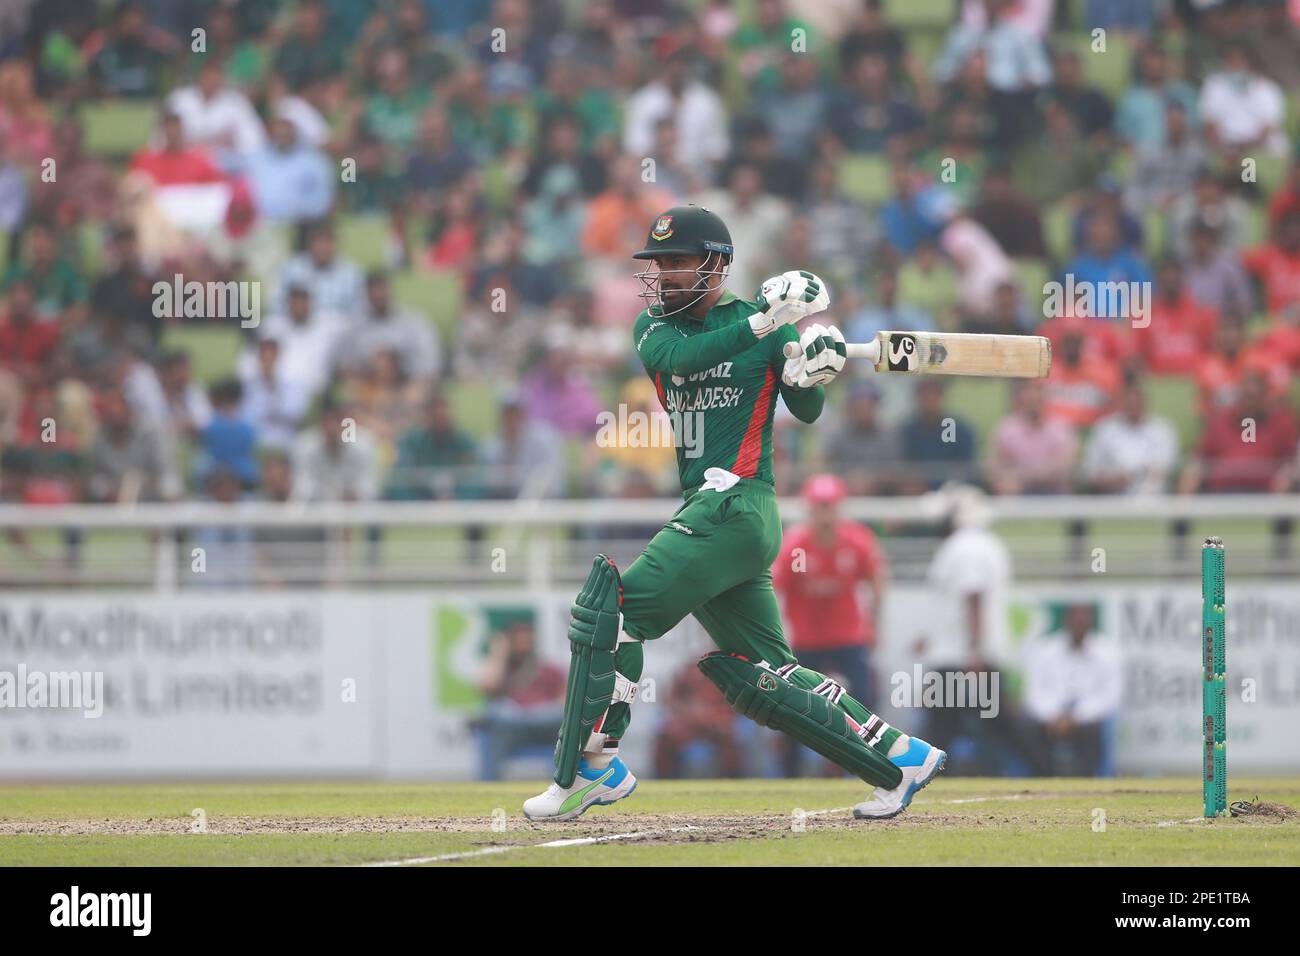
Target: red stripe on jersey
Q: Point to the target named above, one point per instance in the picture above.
(752, 446)
(659, 387)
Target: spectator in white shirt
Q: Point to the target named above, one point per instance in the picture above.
(1242, 109)
(1072, 688)
(187, 403)
(309, 340)
(1014, 57)
(215, 115)
(336, 283)
(383, 328)
(273, 403)
(1131, 452)
(335, 461)
(701, 120)
(313, 130)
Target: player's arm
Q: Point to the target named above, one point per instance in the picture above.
(805, 404)
(663, 349)
(782, 300)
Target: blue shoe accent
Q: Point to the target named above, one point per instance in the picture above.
(914, 756)
(591, 773)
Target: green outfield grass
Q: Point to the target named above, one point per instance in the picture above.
(956, 821)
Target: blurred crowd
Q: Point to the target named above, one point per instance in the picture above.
(514, 153)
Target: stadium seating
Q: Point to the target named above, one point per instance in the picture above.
(437, 294)
(365, 239)
(1175, 399)
(212, 349)
(1032, 275)
(865, 177)
(1110, 70)
(115, 129)
(911, 15)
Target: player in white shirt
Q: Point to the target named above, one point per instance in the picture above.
(966, 629)
(968, 579)
(1072, 687)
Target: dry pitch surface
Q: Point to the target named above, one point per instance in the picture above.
(955, 821)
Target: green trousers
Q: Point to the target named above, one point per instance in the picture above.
(713, 559)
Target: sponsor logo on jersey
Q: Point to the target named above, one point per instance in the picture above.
(646, 334)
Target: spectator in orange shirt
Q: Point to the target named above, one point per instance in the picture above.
(616, 218)
(1080, 388)
(27, 344)
(176, 163)
(819, 573)
(1181, 329)
(1220, 371)
(1281, 341)
(1248, 446)
(1104, 339)
(1277, 265)
(25, 126)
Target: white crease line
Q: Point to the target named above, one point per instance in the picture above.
(1009, 796)
(1174, 823)
(587, 841)
(551, 844)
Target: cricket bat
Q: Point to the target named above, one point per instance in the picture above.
(952, 353)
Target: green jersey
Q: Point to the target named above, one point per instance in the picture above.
(719, 382)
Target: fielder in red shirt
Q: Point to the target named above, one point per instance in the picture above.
(819, 576)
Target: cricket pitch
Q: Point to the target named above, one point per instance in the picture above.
(954, 822)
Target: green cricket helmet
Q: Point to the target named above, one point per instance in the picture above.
(688, 230)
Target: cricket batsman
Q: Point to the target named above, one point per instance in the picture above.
(717, 361)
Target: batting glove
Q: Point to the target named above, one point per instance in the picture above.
(821, 357)
(787, 298)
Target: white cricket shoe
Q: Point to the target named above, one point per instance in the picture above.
(919, 763)
(591, 787)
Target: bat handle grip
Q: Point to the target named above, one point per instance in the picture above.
(867, 350)
(864, 350)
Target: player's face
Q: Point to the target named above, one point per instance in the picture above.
(678, 279)
(824, 514)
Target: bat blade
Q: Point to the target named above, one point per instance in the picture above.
(958, 353)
